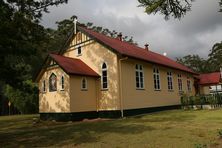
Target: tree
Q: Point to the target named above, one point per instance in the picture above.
(215, 57)
(174, 8)
(194, 62)
(21, 47)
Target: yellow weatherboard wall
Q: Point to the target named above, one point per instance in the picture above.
(57, 101)
(83, 99)
(149, 97)
(204, 90)
(94, 54)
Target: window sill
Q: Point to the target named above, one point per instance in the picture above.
(170, 90)
(84, 89)
(78, 55)
(104, 89)
(157, 89)
(53, 91)
(140, 88)
(62, 90)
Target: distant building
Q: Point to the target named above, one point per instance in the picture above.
(210, 83)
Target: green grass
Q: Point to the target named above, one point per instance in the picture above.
(176, 128)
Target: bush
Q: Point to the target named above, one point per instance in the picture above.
(197, 100)
(220, 133)
(202, 100)
(191, 100)
(212, 100)
(184, 100)
(200, 146)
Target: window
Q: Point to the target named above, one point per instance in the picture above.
(62, 83)
(188, 84)
(52, 82)
(79, 51)
(180, 83)
(84, 84)
(156, 77)
(139, 77)
(43, 86)
(104, 76)
(170, 80)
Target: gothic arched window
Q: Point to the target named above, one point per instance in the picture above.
(104, 76)
(52, 82)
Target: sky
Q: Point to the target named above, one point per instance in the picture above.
(195, 33)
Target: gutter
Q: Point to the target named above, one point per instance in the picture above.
(120, 85)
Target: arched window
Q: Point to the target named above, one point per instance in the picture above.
(52, 82)
(62, 83)
(43, 86)
(139, 77)
(104, 76)
(84, 84)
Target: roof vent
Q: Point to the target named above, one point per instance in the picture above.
(120, 36)
(147, 46)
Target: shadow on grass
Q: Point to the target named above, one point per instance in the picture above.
(20, 131)
(164, 117)
(66, 133)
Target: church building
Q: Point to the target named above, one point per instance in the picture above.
(99, 76)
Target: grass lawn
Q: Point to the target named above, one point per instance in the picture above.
(176, 128)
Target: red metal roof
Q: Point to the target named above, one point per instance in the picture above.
(127, 49)
(210, 78)
(73, 66)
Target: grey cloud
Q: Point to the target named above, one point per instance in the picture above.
(194, 34)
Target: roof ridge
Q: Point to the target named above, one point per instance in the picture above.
(126, 43)
(134, 51)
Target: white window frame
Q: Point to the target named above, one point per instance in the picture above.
(62, 83)
(102, 82)
(86, 84)
(180, 82)
(139, 74)
(156, 78)
(169, 80)
(189, 88)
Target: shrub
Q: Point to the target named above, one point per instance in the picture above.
(220, 133)
(184, 100)
(191, 100)
(200, 145)
(197, 100)
(202, 100)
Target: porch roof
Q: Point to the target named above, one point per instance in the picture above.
(73, 66)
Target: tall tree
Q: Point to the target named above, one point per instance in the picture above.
(20, 46)
(194, 62)
(215, 57)
(174, 8)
